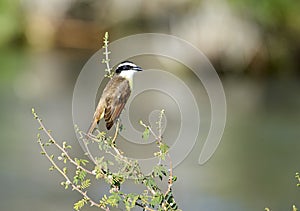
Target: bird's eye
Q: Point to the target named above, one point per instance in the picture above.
(126, 67)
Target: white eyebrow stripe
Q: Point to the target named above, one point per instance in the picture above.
(127, 63)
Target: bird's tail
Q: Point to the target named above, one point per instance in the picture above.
(98, 115)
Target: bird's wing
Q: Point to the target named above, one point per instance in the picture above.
(115, 103)
(99, 112)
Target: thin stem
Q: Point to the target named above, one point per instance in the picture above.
(106, 53)
(90, 155)
(150, 129)
(162, 113)
(147, 208)
(170, 182)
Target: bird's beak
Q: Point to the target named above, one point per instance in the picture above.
(137, 68)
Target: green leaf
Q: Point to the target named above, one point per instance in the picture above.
(150, 183)
(77, 161)
(100, 146)
(84, 162)
(295, 208)
(157, 199)
(106, 36)
(130, 201)
(114, 199)
(66, 184)
(100, 160)
(98, 172)
(101, 136)
(79, 176)
(66, 146)
(159, 171)
(85, 184)
(35, 116)
(65, 170)
(110, 163)
(78, 205)
(81, 161)
(103, 201)
(51, 141)
(163, 148)
(146, 134)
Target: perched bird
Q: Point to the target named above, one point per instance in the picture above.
(115, 95)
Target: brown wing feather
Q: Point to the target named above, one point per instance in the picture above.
(115, 103)
(112, 114)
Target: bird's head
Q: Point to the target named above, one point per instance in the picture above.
(126, 69)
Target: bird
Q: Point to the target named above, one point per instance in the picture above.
(115, 95)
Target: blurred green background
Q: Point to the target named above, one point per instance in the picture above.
(253, 45)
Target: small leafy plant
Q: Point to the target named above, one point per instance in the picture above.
(80, 178)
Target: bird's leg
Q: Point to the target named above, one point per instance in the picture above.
(119, 152)
(116, 133)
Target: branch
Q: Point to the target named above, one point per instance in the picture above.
(170, 182)
(159, 123)
(106, 53)
(150, 129)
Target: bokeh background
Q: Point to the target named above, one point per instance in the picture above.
(253, 45)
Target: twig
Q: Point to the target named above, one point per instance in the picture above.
(106, 53)
(150, 129)
(162, 113)
(147, 208)
(85, 143)
(170, 182)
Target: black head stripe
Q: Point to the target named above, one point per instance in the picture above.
(126, 65)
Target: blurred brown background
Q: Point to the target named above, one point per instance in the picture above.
(253, 45)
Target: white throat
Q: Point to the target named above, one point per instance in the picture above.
(128, 74)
